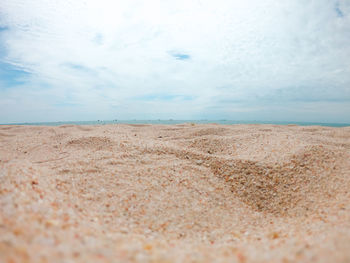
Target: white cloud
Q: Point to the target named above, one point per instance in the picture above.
(90, 59)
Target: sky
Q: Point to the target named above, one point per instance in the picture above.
(186, 59)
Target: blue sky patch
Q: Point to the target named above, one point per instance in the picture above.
(98, 39)
(338, 10)
(181, 56)
(77, 67)
(2, 28)
(11, 76)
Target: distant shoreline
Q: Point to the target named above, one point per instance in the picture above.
(172, 122)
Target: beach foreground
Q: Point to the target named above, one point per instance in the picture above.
(174, 193)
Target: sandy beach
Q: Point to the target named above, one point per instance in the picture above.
(174, 193)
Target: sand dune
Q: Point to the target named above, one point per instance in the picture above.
(174, 193)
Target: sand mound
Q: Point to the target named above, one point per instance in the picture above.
(67, 126)
(296, 184)
(3, 134)
(209, 131)
(96, 143)
(213, 145)
(292, 187)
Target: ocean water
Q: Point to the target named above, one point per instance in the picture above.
(228, 122)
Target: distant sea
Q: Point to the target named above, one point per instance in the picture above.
(103, 122)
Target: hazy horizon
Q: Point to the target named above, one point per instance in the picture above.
(175, 122)
(186, 60)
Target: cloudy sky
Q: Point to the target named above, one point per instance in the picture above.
(185, 59)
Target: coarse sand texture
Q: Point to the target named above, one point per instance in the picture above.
(174, 193)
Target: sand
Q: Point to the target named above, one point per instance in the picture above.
(174, 193)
